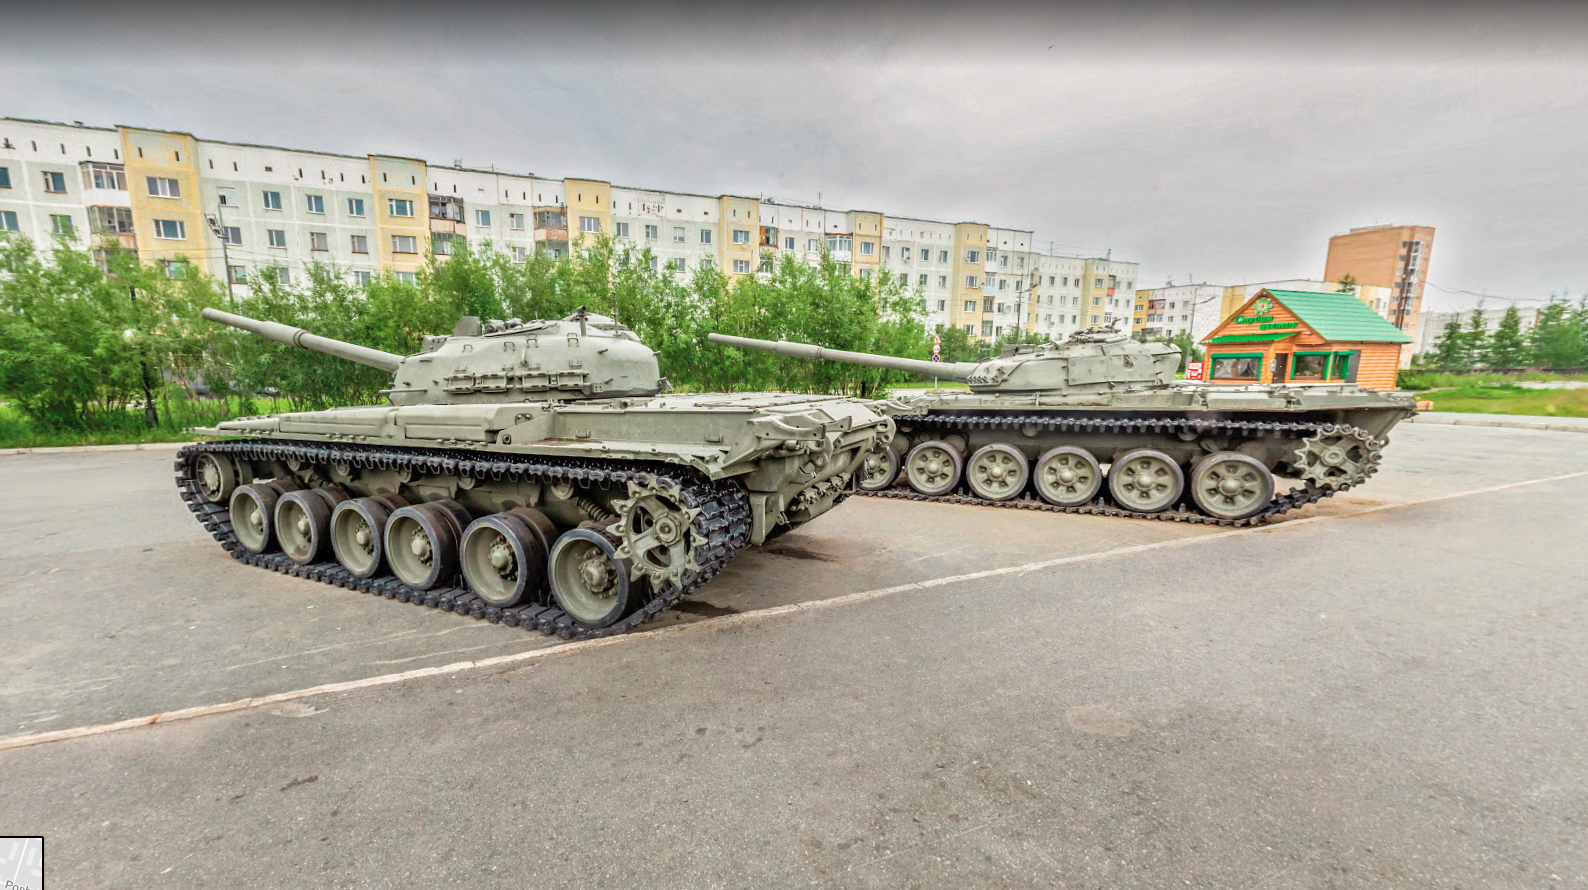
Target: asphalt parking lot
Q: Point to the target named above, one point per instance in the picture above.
(1383, 690)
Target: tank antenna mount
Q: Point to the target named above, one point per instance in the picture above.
(581, 316)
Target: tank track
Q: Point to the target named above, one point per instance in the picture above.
(723, 521)
(948, 424)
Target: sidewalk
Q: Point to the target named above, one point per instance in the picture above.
(137, 446)
(1509, 421)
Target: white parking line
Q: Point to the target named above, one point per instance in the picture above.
(61, 735)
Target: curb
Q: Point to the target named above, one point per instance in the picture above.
(74, 449)
(1459, 420)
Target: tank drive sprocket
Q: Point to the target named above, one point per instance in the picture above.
(1337, 455)
(657, 533)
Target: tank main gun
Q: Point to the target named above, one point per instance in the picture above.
(959, 371)
(282, 333)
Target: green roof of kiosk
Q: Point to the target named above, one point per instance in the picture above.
(1338, 317)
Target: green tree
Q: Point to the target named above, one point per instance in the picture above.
(1556, 340)
(1507, 348)
(1450, 350)
(1474, 343)
(1347, 284)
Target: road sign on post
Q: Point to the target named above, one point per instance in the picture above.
(937, 347)
(1193, 371)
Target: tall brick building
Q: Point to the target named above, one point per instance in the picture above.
(1389, 256)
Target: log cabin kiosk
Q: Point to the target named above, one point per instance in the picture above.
(1292, 336)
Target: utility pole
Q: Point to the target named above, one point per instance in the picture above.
(218, 226)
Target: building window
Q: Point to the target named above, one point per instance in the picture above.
(741, 236)
(319, 241)
(405, 277)
(5, 177)
(441, 243)
(361, 244)
(55, 183)
(705, 237)
(942, 305)
(160, 187)
(741, 267)
(942, 281)
(970, 329)
(589, 224)
(680, 264)
(237, 275)
(867, 248)
(175, 268)
(921, 281)
(1003, 284)
(652, 233)
(678, 234)
(904, 254)
(986, 305)
(95, 176)
(315, 203)
(653, 260)
(1246, 366)
(482, 217)
(394, 207)
(620, 229)
(232, 235)
(788, 243)
(61, 224)
(840, 243)
(1097, 301)
(972, 256)
(355, 206)
(986, 328)
(361, 277)
(404, 244)
(812, 245)
(272, 200)
(283, 275)
(8, 221)
(515, 221)
(1098, 283)
(276, 237)
(865, 274)
(170, 229)
(970, 281)
(970, 305)
(520, 253)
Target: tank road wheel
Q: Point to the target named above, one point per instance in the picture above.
(1145, 481)
(358, 533)
(504, 559)
(303, 523)
(657, 535)
(253, 510)
(1228, 485)
(1336, 456)
(422, 543)
(589, 579)
(879, 470)
(217, 477)
(1067, 476)
(933, 468)
(997, 472)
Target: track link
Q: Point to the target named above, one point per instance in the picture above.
(949, 424)
(723, 522)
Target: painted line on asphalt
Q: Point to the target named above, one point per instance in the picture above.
(712, 624)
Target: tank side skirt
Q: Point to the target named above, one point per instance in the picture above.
(723, 521)
(949, 424)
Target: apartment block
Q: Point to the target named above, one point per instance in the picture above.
(242, 211)
(1193, 309)
(1390, 256)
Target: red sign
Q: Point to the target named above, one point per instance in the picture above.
(937, 348)
(1193, 371)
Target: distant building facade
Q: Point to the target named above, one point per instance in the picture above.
(1174, 309)
(1431, 325)
(242, 211)
(1392, 256)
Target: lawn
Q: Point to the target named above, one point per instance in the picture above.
(1499, 398)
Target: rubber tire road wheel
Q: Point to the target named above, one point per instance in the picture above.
(303, 523)
(1145, 481)
(1231, 485)
(366, 559)
(878, 471)
(503, 559)
(1086, 476)
(933, 468)
(216, 475)
(253, 509)
(422, 543)
(997, 472)
(588, 579)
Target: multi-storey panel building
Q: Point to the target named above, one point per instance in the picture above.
(243, 211)
(1391, 256)
(1193, 309)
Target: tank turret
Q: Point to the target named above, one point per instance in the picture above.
(582, 356)
(1091, 360)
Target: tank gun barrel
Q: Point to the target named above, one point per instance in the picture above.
(292, 336)
(957, 371)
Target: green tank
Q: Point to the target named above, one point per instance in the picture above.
(529, 473)
(1042, 422)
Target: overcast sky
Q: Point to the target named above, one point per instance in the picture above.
(1224, 145)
